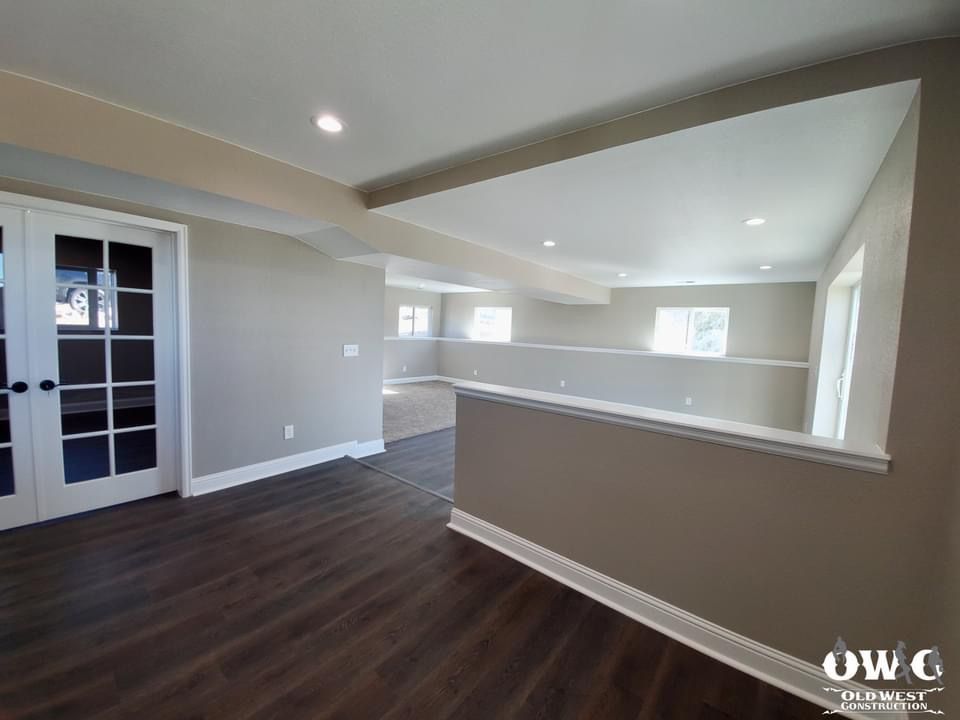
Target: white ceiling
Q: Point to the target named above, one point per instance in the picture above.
(414, 283)
(670, 209)
(426, 84)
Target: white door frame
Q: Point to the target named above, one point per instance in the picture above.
(179, 232)
(849, 351)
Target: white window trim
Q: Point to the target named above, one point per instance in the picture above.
(690, 313)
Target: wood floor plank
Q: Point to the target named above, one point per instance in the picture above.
(424, 460)
(334, 592)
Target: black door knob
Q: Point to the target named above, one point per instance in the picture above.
(47, 385)
(18, 387)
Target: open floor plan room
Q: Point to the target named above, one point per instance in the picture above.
(555, 359)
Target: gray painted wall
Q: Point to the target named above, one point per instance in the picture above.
(882, 227)
(279, 360)
(266, 342)
(758, 394)
(409, 358)
(769, 321)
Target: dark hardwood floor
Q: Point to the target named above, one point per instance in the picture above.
(335, 592)
(424, 460)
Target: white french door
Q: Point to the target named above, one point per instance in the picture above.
(18, 499)
(87, 413)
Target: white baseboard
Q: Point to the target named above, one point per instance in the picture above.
(772, 666)
(249, 473)
(365, 449)
(421, 378)
(405, 380)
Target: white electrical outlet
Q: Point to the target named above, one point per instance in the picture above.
(476, 372)
(404, 369)
(688, 402)
(288, 432)
(563, 383)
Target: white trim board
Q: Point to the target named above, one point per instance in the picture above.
(405, 380)
(773, 441)
(258, 471)
(772, 666)
(616, 351)
(367, 448)
(421, 378)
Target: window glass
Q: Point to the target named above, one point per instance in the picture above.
(493, 324)
(421, 321)
(708, 331)
(405, 329)
(695, 331)
(671, 330)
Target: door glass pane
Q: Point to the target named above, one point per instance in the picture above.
(132, 265)
(82, 362)
(80, 310)
(133, 314)
(4, 418)
(83, 411)
(132, 360)
(6, 454)
(134, 406)
(79, 261)
(6, 471)
(86, 459)
(135, 450)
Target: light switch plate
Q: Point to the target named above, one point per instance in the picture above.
(351, 350)
(288, 432)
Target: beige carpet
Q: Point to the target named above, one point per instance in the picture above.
(417, 408)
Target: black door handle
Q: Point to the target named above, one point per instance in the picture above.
(18, 387)
(47, 385)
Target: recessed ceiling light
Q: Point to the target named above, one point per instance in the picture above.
(754, 221)
(766, 267)
(686, 282)
(549, 243)
(327, 123)
(621, 275)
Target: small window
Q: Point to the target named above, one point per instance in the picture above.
(414, 321)
(492, 324)
(421, 321)
(693, 331)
